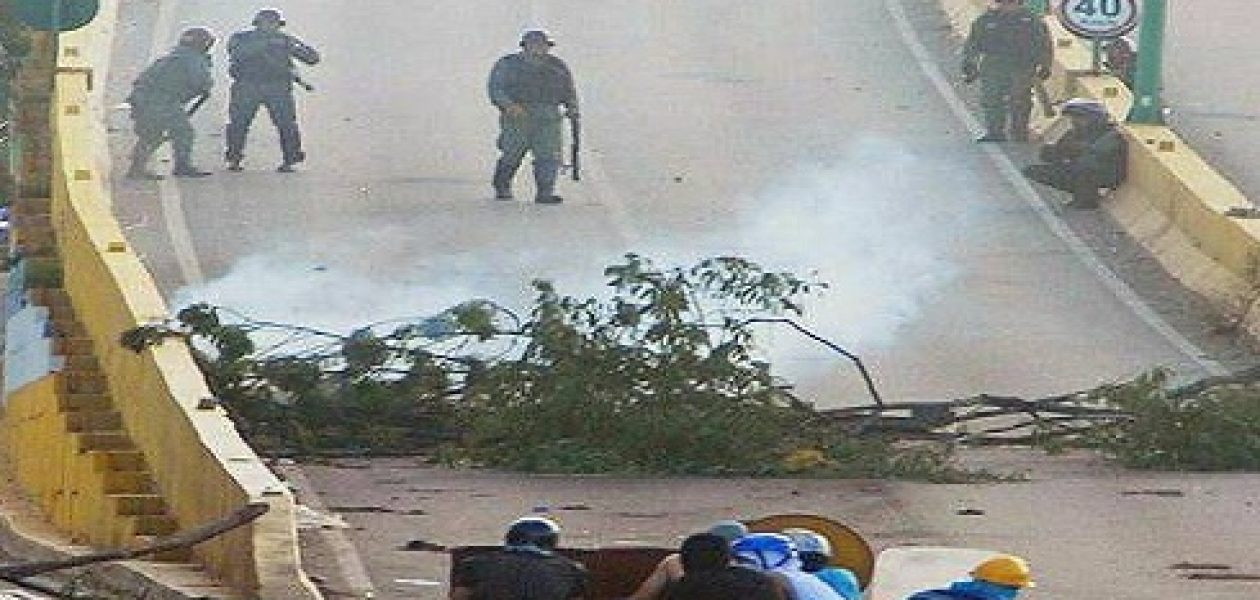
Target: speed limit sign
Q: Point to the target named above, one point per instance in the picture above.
(1098, 19)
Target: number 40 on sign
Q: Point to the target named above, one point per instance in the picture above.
(1098, 19)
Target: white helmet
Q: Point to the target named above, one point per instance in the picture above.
(809, 541)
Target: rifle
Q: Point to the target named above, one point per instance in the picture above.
(575, 146)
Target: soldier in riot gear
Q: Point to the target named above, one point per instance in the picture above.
(263, 74)
(528, 88)
(1093, 154)
(157, 100)
(1006, 48)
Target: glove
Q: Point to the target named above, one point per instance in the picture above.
(1043, 72)
(970, 72)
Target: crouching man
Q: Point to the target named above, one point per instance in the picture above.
(1091, 155)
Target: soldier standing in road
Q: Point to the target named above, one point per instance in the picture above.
(263, 74)
(1007, 47)
(526, 568)
(158, 97)
(528, 88)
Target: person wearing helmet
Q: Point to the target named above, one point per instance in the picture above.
(528, 88)
(1092, 154)
(814, 551)
(774, 553)
(1006, 47)
(709, 574)
(263, 74)
(526, 568)
(670, 569)
(157, 99)
(1001, 577)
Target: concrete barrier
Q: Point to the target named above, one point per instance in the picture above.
(1174, 202)
(182, 454)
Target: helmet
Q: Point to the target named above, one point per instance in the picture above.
(809, 541)
(533, 531)
(537, 35)
(1086, 107)
(764, 551)
(730, 530)
(200, 38)
(268, 15)
(1004, 569)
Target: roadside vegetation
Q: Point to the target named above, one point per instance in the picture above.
(662, 376)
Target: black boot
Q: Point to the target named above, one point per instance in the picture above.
(504, 171)
(545, 172)
(187, 171)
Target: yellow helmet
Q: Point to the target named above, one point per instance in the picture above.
(1004, 569)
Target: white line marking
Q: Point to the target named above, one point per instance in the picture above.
(1119, 288)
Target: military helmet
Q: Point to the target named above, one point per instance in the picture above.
(268, 15)
(537, 35)
(533, 531)
(1086, 107)
(200, 38)
(729, 529)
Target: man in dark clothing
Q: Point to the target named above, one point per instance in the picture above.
(708, 574)
(1006, 48)
(528, 88)
(263, 74)
(527, 568)
(157, 102)
(1091, 155)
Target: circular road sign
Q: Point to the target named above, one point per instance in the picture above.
(56, 15)
(1098, 18)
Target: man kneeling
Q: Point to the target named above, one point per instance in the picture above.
(1091, 155)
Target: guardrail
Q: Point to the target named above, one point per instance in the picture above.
(186, 453)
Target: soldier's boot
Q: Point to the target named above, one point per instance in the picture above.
(290, 147)
(504, 171)
(1019, 124)
(545, 172)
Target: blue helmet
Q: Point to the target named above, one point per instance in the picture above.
(533, 531)
(764, 551)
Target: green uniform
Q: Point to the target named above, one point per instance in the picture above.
(1007, 48)
(157, 100)
(1082, 161)
(540, 85)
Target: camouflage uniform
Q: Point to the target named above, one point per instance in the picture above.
(540, 85)
(263, 75)
(157, 101)
(1007, 48)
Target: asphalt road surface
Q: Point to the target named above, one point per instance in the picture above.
(810, 135)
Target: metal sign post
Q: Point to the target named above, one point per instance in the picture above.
(1097, 21)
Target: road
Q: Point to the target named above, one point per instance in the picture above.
(810, 135)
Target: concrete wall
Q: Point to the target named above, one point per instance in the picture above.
(201, 467)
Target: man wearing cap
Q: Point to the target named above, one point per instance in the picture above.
(157, 102)
(263, 74)
(528, 88)
(1005, 49)
(1091, 155)
(1001, 577)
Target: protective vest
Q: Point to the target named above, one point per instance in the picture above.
(176, 78)
(1015, 36)
(259, 56)
(523, 81)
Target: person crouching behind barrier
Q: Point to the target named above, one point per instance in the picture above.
(709, 574)
(774, 554)
(1091, 155)
(670, 569)
(815, 553)
(1001, 577)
